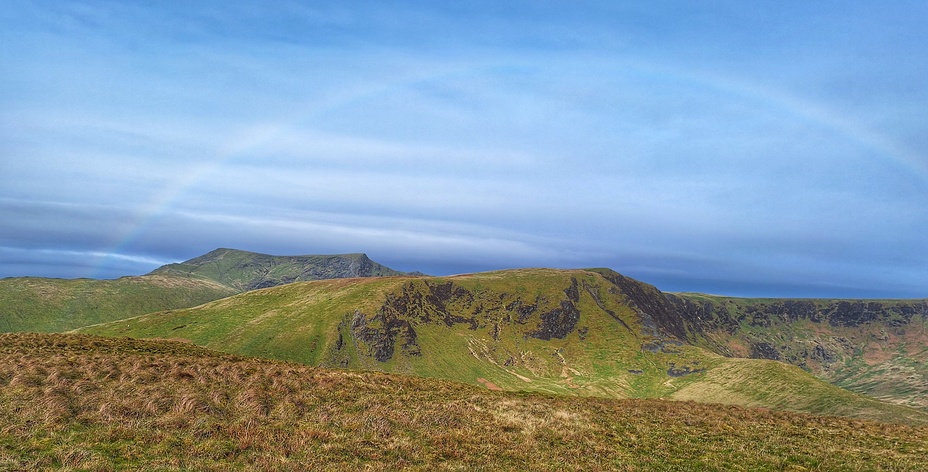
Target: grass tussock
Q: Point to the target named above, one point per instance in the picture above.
(71, 402)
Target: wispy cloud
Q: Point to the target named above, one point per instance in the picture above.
(736, 148)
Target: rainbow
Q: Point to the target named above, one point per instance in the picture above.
(907, 161)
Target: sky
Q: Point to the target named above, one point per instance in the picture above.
(765, 148)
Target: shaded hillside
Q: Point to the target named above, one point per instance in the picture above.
(244, 270)
(85, 403)
(567, 332)
(50, 305)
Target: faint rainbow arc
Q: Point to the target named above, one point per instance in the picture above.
(161, 201)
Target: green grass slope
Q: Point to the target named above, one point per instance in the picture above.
(245, 270)
(72, 402)
(563, 332)
(53, 305)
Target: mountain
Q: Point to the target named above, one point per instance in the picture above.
(243, 270)
(55, 305)
(587, 332)
(72, 402)
(574, 332)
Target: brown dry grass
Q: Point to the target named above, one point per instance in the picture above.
(72, 402)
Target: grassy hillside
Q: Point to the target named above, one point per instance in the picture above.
(245, 270)
(70, 402)
(50, 305)
(564, 332)
(875, 347)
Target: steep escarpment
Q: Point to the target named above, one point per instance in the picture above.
(661, 316)
(876, 347)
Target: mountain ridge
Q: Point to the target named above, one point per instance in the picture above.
(49, 305)
(245, 270)
(874, 347)
(571, 332)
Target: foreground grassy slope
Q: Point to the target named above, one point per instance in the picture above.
(70, 402)
(52, 305)
(563, 332)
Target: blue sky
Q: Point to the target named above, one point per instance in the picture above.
(742, 148)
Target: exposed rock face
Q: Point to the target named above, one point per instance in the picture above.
(708, 316)
(661, 324)
(822, 354)
(425, 301)
(557, 323)
(428, 301)
(561, 321)
(650, 303)
(764, 351)
(380, 332)
(682, 371)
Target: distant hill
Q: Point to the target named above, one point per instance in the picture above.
(579, 332)
(55, 305)
(72, 402)
(243, 270)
